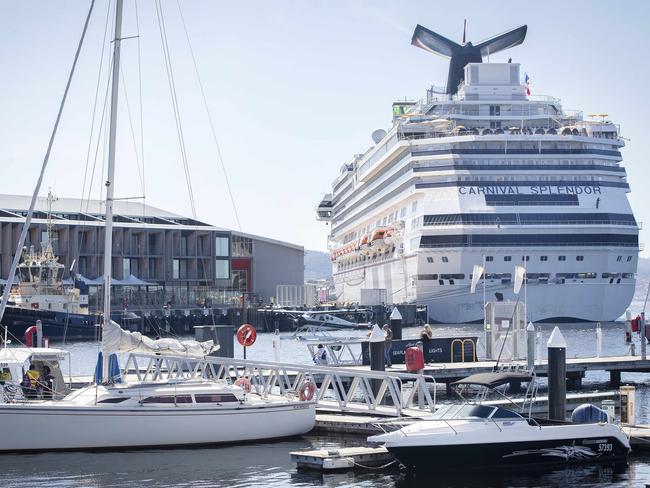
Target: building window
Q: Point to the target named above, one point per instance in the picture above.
(561, 258)
(525, 258)
(507, 258)
(489, 259)
(580, 258)
(242, 247)
(429, 260)
(618, 259)
(176, 269)
(629, 258)
(222, 269)
(126, 267)
(445, 259)
(221, 246)
(543, 258)
(240, 280)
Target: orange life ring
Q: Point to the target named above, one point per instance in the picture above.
(246, 335)
(245, 384)
(307, 391)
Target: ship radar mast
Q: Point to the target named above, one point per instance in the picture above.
(461, 55)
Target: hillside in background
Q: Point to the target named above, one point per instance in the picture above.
(317, 265)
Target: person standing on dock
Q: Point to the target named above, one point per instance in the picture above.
(425, 336)
(388, 344)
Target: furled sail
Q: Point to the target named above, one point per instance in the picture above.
(116, 339)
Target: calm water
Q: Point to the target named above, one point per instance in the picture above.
(268, 464)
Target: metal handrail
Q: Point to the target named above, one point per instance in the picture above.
(347, 389)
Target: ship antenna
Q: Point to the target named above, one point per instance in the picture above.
(464, 30)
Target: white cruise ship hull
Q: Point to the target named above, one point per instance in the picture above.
(589, 299)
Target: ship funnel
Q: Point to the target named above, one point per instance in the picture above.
(461, 55)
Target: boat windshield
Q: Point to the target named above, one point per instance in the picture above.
(468, 411)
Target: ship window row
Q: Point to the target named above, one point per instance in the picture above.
(489, 259)
(509, 150)
(507, 277)
(524, 165)
(530, 219)
(480, 240)
(531, 200)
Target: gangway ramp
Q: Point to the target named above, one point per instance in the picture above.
(390, 393)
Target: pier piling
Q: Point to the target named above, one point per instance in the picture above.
(396, 324)
(556, 376)
(377, 345)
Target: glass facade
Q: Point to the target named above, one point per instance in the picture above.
(222, 269)
(221, 246)
(242, 247)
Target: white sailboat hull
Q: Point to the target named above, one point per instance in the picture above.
(55, 426)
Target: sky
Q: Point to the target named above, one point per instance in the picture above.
(294, 90)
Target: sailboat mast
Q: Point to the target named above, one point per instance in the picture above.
(108, 237)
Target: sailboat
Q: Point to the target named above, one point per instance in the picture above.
(163, 410)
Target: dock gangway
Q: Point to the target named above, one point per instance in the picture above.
(342, 389)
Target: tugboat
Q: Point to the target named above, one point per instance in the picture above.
(42, 294)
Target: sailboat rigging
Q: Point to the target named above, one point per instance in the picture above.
(173, 409)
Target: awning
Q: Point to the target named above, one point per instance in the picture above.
(492, 380)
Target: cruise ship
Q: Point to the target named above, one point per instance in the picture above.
(484, 173)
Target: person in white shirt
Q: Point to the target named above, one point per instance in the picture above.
(320, 357)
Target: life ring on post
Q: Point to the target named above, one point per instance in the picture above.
(245, 384)
(246, 335)
(307, 391)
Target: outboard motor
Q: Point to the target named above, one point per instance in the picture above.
(589, 414)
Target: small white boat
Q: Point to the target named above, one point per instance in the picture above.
(471, 436)
(173, 413)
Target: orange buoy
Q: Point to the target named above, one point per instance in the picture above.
(245, 384)
(246, 335)
(307, 391)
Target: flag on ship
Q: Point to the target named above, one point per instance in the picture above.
(527, 83)
(520, 274)
(476, 276)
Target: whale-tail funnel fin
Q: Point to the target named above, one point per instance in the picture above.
(461, 55)
(433, 42)
(503, 41)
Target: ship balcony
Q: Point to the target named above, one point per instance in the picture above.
(324, 209)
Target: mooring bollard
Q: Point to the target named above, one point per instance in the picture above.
(377, 344)
(642, 332)
(39, 333)
(599, 340)
(276, 345)
(396, 324)
(628, 327)
(530, 336)
(556, 376)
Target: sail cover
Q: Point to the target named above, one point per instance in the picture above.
(115, 339)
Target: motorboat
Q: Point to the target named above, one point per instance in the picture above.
(472, 435)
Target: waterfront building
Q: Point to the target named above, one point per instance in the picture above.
(180, 259)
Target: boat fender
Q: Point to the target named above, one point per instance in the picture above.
(246, 335)
(307, 391)
(29, 336)
(245, 384)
